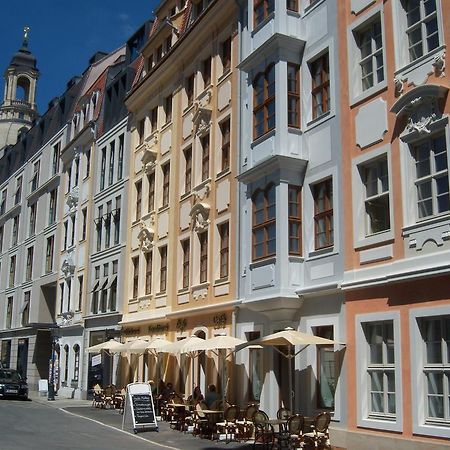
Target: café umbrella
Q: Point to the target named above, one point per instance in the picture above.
(219, 342)
(112, 346)
(135, 346)
(291, 339)
(155, 348)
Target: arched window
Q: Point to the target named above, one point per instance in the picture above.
(23, 89)
(66, 363)
(76, 362)
(264, 222)
(264, 102)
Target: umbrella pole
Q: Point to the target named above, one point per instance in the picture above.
(291, 394)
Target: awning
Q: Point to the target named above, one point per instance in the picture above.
(24, 306)
(102, 284)
(111, 281)
(94, 287)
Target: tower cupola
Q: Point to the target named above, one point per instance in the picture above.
(19, 110)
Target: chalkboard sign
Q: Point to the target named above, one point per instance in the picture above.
(143, 408)
(140, 401)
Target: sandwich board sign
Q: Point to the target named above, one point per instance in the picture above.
(139, 401)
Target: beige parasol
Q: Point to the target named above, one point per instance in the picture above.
(111, 346)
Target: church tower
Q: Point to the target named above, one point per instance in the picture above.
(19, 109)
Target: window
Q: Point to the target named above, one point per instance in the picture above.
(151, 192)
(120, 158)
(206, 72)
(154, 119)
(99, 227)
(2, 230)
(12, 270)
(116, 215)
(15, 230)
(431, 176)
(148, 272)
(190, 89)
(264, 102)
(422, 27)
(226, 55)
(293, 82)
(108, 224)
(326, 369)
(29, 267)
(135, 261)
(163, 269)
(66, 233)
(32, 224)
(320, 92)
(103, 169)
(141, 131)
(264, 223)
(168, 108)
(55, 158)
(185, 246)
(159, 53)
(26, 309)
(84, 224)
(72, 237)
(66, 364)
(52, 207)
(188, 170)
(323, 214)
(166, 180)
(111, 162)
(261, 10)
(255, 368)
(295, 220)
(225, 131)
(3, 202)
(35, 177)
(77, 170)
(69, 177)
(205, 157)
(376, 183)
(76, 363)
(49, 254)
(113, 296)
(292, 5)
(88, 162)
(224, 249)
(381, 369)
(168, 43)
(69, 293)
(9, 312)
(203, 240)
(18, 194)
(138, 186)
(370, 43)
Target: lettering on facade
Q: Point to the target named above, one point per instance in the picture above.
(158, 328)
(181, 324)
(220, 320)
(130, 331)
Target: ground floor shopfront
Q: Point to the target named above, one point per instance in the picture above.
(398, 365)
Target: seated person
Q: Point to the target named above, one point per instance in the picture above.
(167, 392)
(197, 396)
(211, 395)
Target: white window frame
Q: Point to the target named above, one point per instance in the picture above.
(401, 43)
(361, 237)
(418, 393)
(356, 91)
(362, 386)
(311, 355)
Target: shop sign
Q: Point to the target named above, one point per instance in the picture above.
(158, 328)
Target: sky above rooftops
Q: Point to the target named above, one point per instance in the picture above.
(65, 34)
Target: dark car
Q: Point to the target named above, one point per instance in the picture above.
(12, 384)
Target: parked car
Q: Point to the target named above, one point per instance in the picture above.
(12, 384)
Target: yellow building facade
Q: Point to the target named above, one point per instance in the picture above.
(182, 202)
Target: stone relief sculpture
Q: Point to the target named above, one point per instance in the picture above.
(149, 155)
(72, 199)
(68, 266)
(202, 114)
(200, 217)
(145, 237)
(439, 64)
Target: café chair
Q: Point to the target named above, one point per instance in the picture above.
(319, 433)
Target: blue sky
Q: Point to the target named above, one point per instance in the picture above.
(65, 34)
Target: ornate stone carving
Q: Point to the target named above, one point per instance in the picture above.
(200, 215)
(398, 86)
(145, 237)
(181, 325)
(72, 199)
(201, 192)
(202, 114)
(68, 266)
(421, 113)
(439, 65)
(149, 155)
(220, 320)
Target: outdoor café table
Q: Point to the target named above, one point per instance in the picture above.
(213, 415)
(180, 409)
(280, 423)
